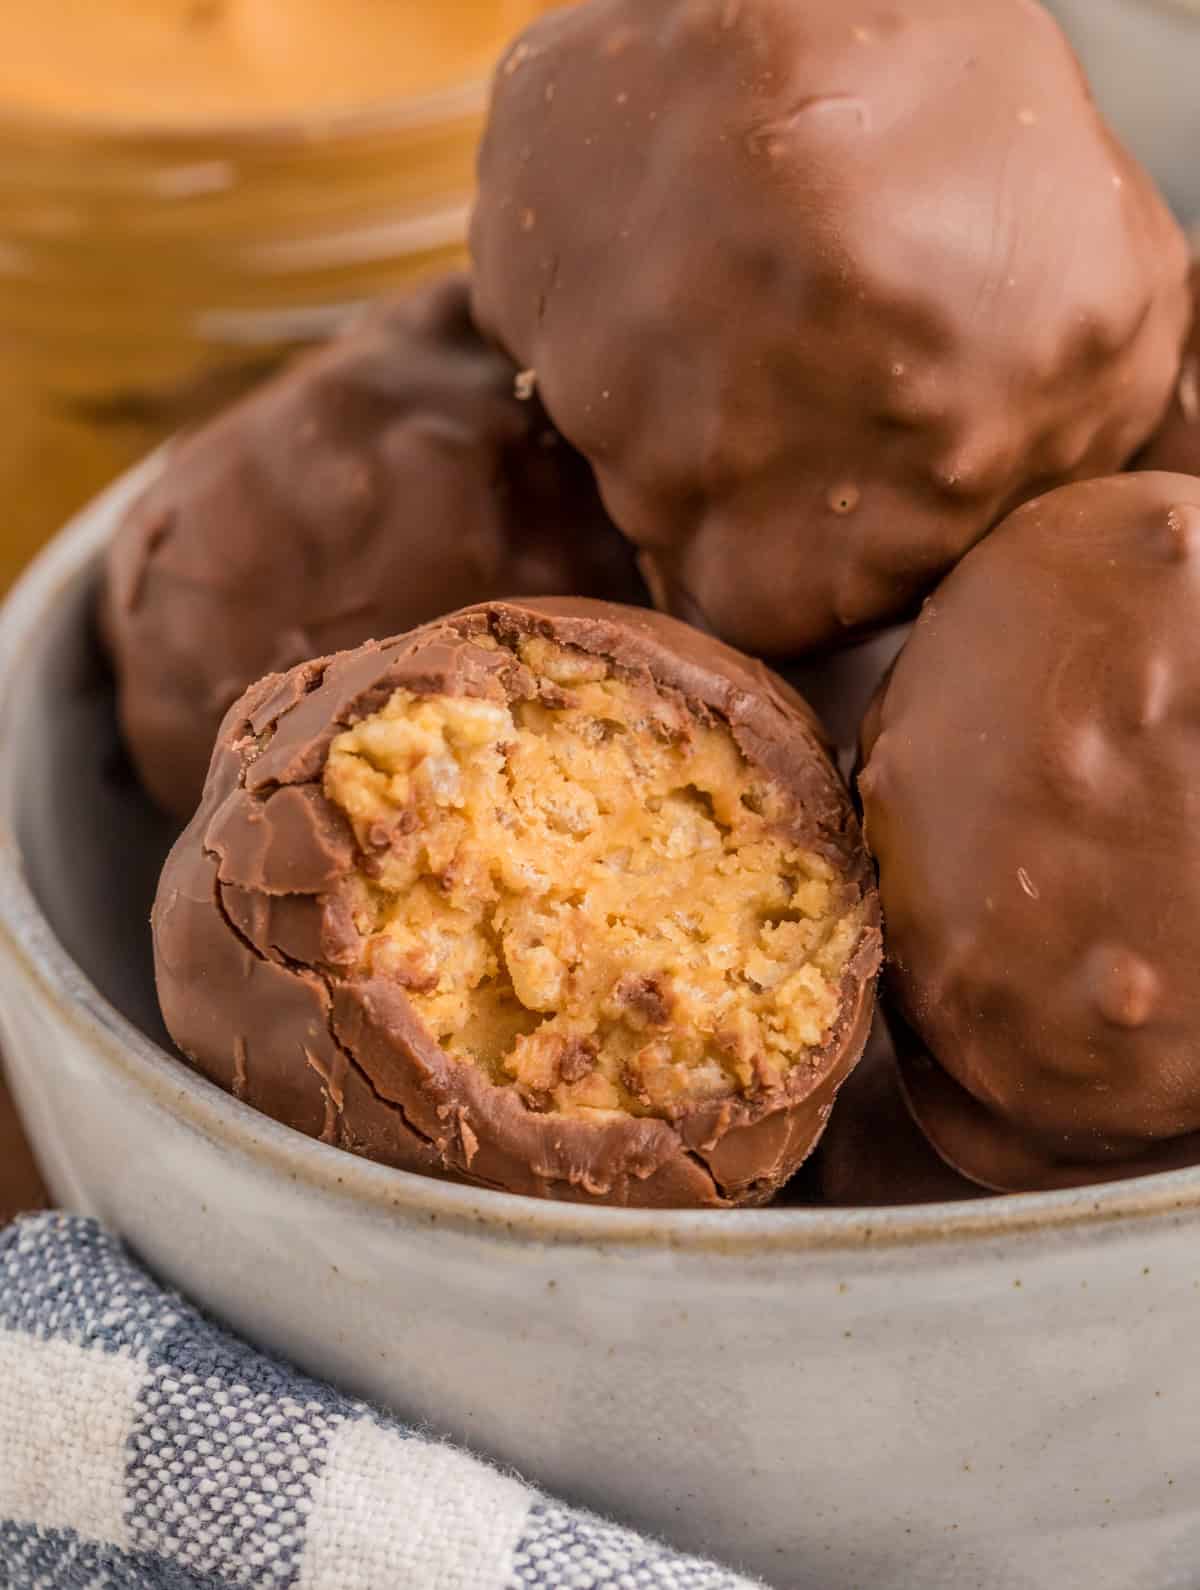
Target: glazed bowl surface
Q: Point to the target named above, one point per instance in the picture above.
(997, 1394)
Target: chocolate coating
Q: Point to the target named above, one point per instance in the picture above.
(839, 686)
(873, 1153)
(257, 963)
(377, 483)
(821, 292)
(1029, 790)
(1175, 445)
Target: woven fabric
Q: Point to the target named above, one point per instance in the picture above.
(144, 1448)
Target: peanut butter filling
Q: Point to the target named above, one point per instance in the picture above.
(591, 895)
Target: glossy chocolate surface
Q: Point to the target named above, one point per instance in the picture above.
(1030, 788)
(821, 292)
(1175, 445)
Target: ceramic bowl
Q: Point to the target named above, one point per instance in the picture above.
(999, 1393)
(1142, 57)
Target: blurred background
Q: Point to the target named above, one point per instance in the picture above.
(191, 188)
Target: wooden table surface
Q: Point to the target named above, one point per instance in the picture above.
(20, 1185)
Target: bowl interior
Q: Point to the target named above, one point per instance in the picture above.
(91, 843)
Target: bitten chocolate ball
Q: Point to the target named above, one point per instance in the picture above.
(822, 290)
(556, 897)
(378, 483)
(1030, 789)
(1175, 445)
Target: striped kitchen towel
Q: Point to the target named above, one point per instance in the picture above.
(144, 1448)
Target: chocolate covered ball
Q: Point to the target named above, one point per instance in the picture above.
(376, 484)
(1175, 445)
(1030, 790)
(821, 289)
(558, 897)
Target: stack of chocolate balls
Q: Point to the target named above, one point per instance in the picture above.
(797, 321)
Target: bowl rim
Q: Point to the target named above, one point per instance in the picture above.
(29, 944)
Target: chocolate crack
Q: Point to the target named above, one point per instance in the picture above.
(320, 977)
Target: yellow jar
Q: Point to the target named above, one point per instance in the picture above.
(190, 188)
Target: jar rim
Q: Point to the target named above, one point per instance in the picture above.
(298, 128)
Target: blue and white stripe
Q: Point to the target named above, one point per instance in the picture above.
(144, 1448)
